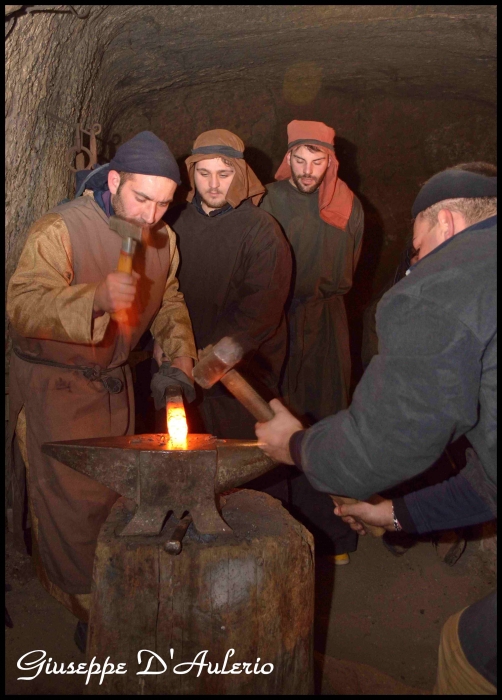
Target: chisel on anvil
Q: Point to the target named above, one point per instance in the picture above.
(216, 363)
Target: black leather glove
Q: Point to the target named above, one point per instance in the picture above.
(169, 377)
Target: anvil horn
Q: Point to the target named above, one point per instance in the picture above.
(162, 477)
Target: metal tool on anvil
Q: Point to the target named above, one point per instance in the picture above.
(162, 476)
(216, 364)
(130, 234)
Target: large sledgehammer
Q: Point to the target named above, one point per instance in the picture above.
(216, 363)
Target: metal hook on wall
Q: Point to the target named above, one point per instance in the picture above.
(111, 142)
(82, 151)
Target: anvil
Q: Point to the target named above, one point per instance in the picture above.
(162, 476)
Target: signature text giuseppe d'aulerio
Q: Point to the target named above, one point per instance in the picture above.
(36, 662)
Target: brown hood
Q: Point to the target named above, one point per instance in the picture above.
(220, 143)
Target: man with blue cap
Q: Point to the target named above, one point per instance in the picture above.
(433, 380)
(69, 373)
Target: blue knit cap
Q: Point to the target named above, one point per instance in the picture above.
(146, 154)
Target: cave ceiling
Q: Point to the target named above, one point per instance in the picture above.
(405, 50)
(391, 50)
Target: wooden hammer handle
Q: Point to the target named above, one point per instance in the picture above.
(260, 409)
(248, 397)
(124, 265)
(374, 530)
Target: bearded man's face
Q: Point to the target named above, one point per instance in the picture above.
(308, 168)
(213, 177)
(142, 199)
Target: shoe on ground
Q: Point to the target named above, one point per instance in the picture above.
(398, 543)
(80, 636)
(341, 559)
(334, 559)
(449, 547)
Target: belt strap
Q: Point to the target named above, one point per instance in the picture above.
(113, 385)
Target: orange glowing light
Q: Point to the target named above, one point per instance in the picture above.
(176, 421)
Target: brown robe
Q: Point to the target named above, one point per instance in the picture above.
(69, 251)
(235, 273)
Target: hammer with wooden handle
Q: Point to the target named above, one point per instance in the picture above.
(130, 234)
(216, 364)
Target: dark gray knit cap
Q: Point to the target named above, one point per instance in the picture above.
(146, 154)
(453, 184)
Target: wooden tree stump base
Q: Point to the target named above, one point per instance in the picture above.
(251, 591)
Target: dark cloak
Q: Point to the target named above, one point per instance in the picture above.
(317, 371)
(317, 375)
(235, 273)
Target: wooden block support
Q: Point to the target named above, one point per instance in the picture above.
(252, 591)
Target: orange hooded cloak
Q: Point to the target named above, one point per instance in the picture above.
(335, 197)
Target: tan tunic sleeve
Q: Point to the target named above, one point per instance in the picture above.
(172, 327)
(41, 303)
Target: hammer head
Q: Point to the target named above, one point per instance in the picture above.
(216, 361)
(125, 229)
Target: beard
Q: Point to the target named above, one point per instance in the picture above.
(307, 189)
(214, 203)
(120, 210)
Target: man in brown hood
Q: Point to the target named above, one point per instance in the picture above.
(235, 274)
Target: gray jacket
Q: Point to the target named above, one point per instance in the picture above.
(433, 380)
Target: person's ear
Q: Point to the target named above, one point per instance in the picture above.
(446, 224)
(288, 158)
(459, 222)
(113, 181)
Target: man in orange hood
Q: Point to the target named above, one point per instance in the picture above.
(323, 222)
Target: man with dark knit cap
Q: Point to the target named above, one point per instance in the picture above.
(69, 375)
(433, 380)
(235, 273)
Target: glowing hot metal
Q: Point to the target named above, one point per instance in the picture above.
(176, 419)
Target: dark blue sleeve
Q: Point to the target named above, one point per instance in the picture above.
(453, 503)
